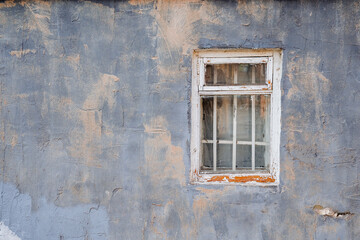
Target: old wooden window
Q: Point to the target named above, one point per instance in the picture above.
(236, 116)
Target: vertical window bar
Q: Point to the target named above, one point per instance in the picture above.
(214, 124)
(234, 122)
(253, 122)
(202, 73)
(252, 132)
(269, 73)
(253, 74)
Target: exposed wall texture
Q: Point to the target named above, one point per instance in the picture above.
(95, 119)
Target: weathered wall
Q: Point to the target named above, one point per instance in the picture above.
(95, 123)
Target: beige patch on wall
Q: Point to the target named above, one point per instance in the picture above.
(305, 77)
(161, 227)
(164, 165)
(207, 197)
(38, 15)
(74, 60)
(175, 25)
(21, 53)
(260, 11)
(205, 201)
(7, 4)
(309, 86)
(175, 22)
(140, 2)
(14, 139)
(86, 144)
(176, 19)
(163, 160)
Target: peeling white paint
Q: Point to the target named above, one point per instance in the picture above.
(328, 212)
(6, 233)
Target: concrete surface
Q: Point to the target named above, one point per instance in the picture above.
(95, 119)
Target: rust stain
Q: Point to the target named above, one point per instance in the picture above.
(241, 179)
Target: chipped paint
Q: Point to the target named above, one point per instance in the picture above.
(328, 212)
(158, 143)
(241, 179)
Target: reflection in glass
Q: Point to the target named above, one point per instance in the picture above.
(235, 74)
(262, 118)
(243, 118)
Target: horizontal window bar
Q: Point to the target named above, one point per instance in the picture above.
(240, 170)
(230, 92)
(235, 60)
(235, 53)
(237, 142)
(234, 88)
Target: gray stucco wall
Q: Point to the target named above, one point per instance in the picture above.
(95, 119)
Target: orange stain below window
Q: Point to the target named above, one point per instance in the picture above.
(242, 179)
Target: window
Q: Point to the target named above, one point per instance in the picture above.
(235, 116)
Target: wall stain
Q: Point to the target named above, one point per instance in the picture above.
(163, 160)
(21, 53)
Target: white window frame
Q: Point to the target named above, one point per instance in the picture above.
(273, 59)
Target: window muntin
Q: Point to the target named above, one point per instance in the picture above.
(235, 96)
(235, 143)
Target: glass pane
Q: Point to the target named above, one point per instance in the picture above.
(224, 116)
(224, 156)
(243, 157)
(243, 118)
(261, 157)
(207, 117)
(224, 130)
(207, 156)
(262, 118)
(235, 74)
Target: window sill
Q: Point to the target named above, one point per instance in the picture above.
(255, 179)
